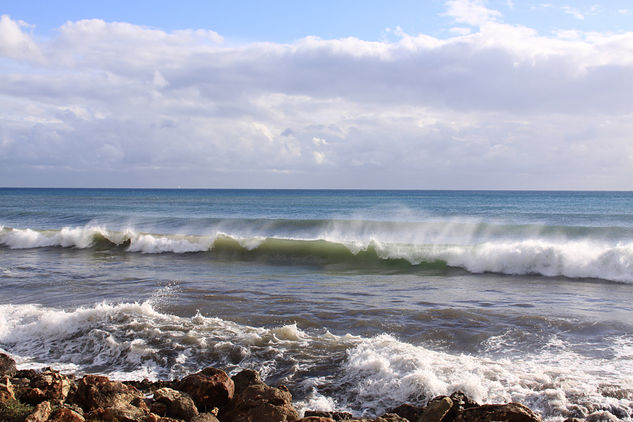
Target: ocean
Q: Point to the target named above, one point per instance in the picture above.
(356, 300)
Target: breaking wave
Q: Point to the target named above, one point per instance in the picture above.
(516, 250)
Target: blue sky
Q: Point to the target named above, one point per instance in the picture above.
(453, 94)
(286, 21)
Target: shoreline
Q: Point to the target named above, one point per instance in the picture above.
(209, 395)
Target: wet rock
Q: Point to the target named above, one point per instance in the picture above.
(408, 411)
(460, 403)
(7, 365)
(511, 412)
(336, 416)
(601, 416)
(205, 417)
(65, 414)
(208, 388)
(391, 417)
(316, 419)
(259, 402)
(41, 412)
(7, 391)
(48, 385)
(177, 404)
(245, 378)
(436, 409)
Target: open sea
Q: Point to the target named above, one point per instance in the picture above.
(356, 300)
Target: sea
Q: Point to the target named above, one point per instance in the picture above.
(356, 300)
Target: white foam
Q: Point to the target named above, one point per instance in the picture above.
(383, 371)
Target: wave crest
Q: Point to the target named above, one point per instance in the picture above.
(548, 256)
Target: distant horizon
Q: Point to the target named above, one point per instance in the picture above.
(316, 189)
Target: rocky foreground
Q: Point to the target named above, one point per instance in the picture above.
(207, 396)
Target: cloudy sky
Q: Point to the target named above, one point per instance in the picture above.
(457, 94)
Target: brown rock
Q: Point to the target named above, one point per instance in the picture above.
(177, 404)
(95, 391)
(208, 388)
(47, 385)
(436, 409)
(245, 378)
(337, 416)
(391, 417)
(408, 411)
(316, 419)
(204, 417)
(64, 414)
(7, 365)
(41, 412)
(511, 412)
(261, 403)
(7, 392)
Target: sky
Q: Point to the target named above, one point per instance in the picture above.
(454, 94)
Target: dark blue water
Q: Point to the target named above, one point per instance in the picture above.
(522, 296)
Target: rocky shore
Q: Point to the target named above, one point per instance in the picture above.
(207, 396)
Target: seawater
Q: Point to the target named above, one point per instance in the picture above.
(356, 300)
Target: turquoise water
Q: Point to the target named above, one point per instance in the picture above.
(357, 300)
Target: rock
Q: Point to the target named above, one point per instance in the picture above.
(436, 409)
(337, 416)
(245, 378)
(408, 411)
(48, 385)
(208, 388)
(41, 413)
(316, 419)
(601, 416)
(95, 391)
(205, 417)
(259, 402)
(511, 412)
(177, 404)
(65, 414)
(460, 402)
(7, 392)
(391, 417)
(7, 365)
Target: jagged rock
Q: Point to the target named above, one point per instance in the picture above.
(177, 404)
(95, 391)
(460, 402)
(47, 385)
(408, 411)
(7, 365)
(511, 412)
(41, 412)
(316, 419)
(601, 416)
(65, 414)
(7, 392)
(259, 402)
(391, 417)
(208, 388)
(204, 417)
(337, 416)
(245, 378)
(436, 409)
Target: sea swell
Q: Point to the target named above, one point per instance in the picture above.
(518, 250)
(364, 375)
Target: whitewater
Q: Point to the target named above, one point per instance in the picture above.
(357, 300)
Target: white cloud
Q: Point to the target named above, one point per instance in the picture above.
(573, 12)
(14, 42)
(471, 12)
(499, 106)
